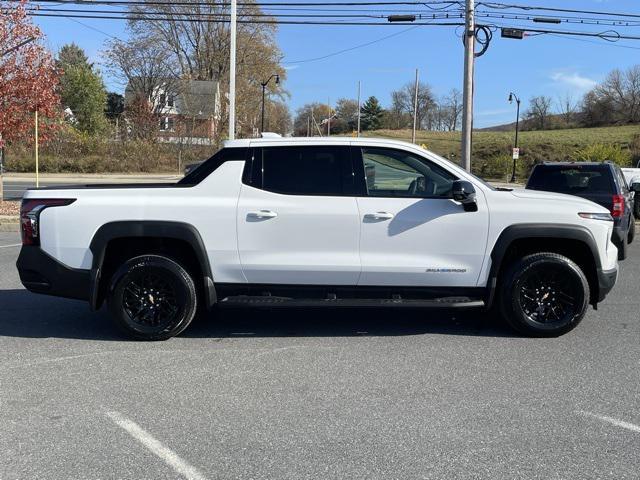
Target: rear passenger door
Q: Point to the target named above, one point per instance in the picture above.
(297, 217)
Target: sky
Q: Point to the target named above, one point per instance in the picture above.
(537, 65)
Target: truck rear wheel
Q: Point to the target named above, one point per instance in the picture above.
(544, 295)
(151, 297)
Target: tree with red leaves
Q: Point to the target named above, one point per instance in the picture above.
(28, 77)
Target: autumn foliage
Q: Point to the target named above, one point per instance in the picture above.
(28, 77)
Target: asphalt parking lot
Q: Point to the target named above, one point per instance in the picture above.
(316, 394)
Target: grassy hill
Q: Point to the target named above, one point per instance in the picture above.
(491, 150)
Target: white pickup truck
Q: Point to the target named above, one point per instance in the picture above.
(318, 222)
(632, 175)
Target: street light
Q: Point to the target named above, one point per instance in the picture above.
(513, 96)
(264, 88)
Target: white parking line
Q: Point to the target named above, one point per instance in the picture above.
(157, 448)
(613, 421)
(12, 245)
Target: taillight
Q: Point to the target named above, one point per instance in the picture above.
(617, 210)
(30, 211)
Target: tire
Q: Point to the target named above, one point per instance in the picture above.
(632, 230)
(636, 206)
(151, 297)
(544, 295)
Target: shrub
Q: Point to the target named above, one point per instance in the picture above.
(601, 152)
(71, 151)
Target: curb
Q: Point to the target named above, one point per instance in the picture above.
(9, 223)
(9, 227)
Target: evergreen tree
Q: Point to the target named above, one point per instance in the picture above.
(371, 114)
(82, 90)
(71, 55)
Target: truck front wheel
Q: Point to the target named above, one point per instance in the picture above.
(151, 297)
(544, 295)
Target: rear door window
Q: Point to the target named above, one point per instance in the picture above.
(309, 170)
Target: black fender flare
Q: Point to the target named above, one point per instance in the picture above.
(160, 229)
(535, 230)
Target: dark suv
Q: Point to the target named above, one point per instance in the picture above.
(602, 183)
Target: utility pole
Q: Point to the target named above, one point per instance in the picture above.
(415, 109)
(516, 151)
(232, 71)
(329, 117)
(37, 141)
(467, 99)
(358, 108)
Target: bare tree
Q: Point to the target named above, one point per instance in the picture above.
(567, 108)
(452, 105)
(402, 104)
(622, 91)
(539, 110)
(199, 48)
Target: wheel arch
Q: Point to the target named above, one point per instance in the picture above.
(181, 239)
(573, 241)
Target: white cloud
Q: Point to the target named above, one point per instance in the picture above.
(574, 80)
(492, 113)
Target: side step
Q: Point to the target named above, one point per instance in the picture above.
(272, 301)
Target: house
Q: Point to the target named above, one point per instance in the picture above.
(188, 111)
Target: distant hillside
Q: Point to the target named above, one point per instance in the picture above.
(492, 148)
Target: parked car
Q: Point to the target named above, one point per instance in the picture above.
(632, 176)
(318, 222)
(602, 183)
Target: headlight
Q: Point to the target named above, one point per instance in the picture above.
(597, 216)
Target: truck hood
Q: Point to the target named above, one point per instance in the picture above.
(579, 203)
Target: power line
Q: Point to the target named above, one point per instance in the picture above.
(556, 9)
(137, 17)
(575, 20)
(422, 16)
(245, 4)
(349, 49)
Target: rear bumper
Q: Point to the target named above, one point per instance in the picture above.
(606, 281)
(40, 273)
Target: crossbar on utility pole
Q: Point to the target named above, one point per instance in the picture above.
(232, 71)
(467, 100)
(415, 109)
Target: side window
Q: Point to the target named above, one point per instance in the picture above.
(396, 173)
(312, 170)
(622, 181)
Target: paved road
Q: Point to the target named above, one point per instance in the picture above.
(14, 190)
(316, 394)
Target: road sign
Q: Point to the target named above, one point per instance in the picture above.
(516, 153)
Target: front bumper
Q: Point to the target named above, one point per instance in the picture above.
(41, 273)
(606, 281)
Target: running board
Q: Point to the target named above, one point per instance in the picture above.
(272, 301)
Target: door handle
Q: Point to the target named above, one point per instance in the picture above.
(262, 214)
(379, 216)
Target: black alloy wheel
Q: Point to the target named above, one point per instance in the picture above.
(549, 295)
(544, 295)
(152, 297)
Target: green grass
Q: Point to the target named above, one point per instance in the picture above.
(492, 150)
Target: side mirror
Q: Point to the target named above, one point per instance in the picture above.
(635, 187)
(464, 192)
